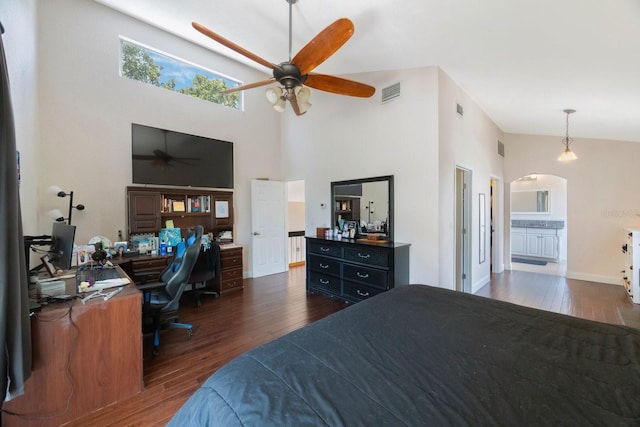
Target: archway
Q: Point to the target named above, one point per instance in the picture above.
(538, 219)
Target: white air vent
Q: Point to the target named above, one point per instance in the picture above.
(391, 92)
(501, 148)
(459, 109)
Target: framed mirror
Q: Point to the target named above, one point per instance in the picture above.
(367, 201)
(530, 201)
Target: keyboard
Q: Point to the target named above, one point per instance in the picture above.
(97, 279)
(105, 283)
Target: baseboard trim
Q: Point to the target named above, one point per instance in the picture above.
(611, 280)
(480, 283)
(296, 264)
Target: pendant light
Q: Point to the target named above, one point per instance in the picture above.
(567, 155)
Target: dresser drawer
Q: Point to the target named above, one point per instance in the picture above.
(325, 249)
(231, 274)
(365, 275)
(231, 262)
(359, 291)
(234, 283)
(153, 264)
(376, 257)
(324, 265)
(324, 282)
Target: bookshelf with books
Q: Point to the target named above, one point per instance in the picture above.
(152, 207)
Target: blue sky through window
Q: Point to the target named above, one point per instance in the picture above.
(182, 72)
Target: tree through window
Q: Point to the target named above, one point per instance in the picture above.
(148, 66)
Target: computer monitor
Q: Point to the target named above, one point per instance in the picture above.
(62, 236)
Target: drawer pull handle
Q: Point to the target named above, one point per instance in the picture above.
(362, 276)
(324, 265)
(365, 256)
(325, 249)
(362, 294)
(324, 282)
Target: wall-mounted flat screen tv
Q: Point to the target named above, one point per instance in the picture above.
(166, 157)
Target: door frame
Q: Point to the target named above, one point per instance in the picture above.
(462, 213)
(496, 209)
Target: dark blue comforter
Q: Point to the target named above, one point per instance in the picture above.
(419, 355)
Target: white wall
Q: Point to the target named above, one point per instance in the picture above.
(19, 19)
(86, 111)
(343, 138)
(602, 189)
(295, 216)
(419, 139)
(470, 142)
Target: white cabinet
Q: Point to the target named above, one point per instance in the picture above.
(549, 246)
(631, 272)
(535, 242)
(518, 241)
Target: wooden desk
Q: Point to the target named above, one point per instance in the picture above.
(148, 265)
(89, 355)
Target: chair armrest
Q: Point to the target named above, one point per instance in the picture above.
(150, 286)
(143, 276)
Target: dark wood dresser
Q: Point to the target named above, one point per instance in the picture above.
(355, 270)
(230, 278)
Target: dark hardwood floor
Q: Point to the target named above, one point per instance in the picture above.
(271, 306)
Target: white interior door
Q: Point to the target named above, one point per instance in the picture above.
(268, 219)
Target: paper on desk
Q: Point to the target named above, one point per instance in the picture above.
(103, 284)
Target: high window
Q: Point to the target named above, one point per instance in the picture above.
(149, 66)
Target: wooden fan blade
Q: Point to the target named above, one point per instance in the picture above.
(249, 86)
(323, 45)
(231, 45)
(293, 100)
(339, 85)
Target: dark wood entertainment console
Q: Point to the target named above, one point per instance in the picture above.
(355, 270)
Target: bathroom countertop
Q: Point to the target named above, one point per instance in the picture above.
(534, 223)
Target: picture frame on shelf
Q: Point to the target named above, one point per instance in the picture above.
(144, 243)
(171, 236)
(178, 206)
(84, 254)
(119, 249)
(222, 209)
(51, 269)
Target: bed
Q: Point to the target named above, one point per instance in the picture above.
(420, 355)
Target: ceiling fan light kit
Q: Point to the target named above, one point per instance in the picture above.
(292, 75)
(274, 95)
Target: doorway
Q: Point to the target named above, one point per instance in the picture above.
(463, 228)
(296, 223)
(538, 219)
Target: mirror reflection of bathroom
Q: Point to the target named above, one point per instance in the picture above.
(539, 224)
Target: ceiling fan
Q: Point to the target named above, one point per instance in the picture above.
(294, 74)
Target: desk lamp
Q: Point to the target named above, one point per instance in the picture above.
(56, 212)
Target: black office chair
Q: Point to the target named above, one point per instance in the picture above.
(161, 299)
(206, 269)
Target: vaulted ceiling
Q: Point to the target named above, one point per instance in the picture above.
(522, 61)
